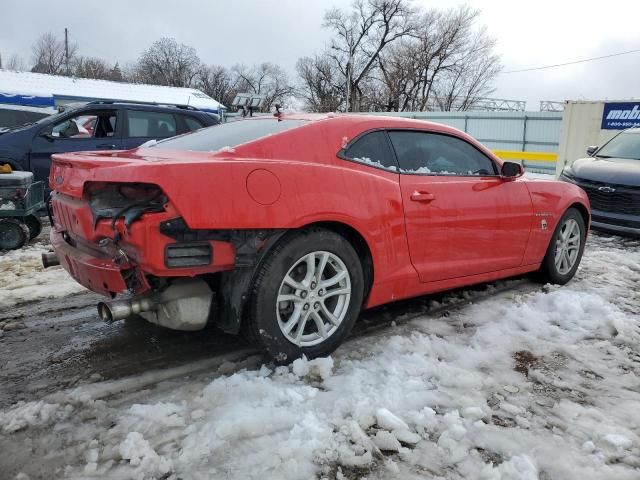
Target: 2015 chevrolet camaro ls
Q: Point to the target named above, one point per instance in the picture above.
(285, 227)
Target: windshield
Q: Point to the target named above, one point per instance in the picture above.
(626, 145)
(228, 135)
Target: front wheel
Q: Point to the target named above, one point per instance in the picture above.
(306, 296)
(565, 249)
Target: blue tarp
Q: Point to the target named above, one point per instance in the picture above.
(28, 100)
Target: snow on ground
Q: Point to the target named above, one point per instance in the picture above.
(23, 279)
(542, 385)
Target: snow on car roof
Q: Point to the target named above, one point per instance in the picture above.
(25, 84)
(27, 108)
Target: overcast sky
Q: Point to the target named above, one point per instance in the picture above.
(529, 34)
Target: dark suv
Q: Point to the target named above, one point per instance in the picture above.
(95, 126)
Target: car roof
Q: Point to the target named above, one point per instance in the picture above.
(142, 106)
(370, 122)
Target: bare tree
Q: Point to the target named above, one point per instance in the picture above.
(472, 77)
(166, 62)
(321, 86)
(265, 79)
(48, 54)
(360, 37)
(14, 63)
(446, 64)
(218, 83)
(88, 67)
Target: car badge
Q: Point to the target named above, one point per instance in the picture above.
(606, 189)
(543, 224)
(59, 179)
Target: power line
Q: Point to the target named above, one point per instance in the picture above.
(574, 62)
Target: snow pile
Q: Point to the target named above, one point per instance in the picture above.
(23, 279)
(319, 367)
(29, 414)
(141, 455)
(419, 170)
(539, 385)
(225, 149)
(374, 163)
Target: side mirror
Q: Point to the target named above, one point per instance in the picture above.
(511, 170)
(47, 135)
(591, 150)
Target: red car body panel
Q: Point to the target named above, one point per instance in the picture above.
(467, 230)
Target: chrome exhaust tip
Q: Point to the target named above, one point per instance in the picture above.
(121, 309)
(50, 259)
(104, 312)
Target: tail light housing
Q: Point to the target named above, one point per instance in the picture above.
(128, 200)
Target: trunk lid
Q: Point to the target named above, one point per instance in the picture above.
(70, 171)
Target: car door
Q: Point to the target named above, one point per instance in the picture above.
(461, 217)
(144, 125)
(80, 131)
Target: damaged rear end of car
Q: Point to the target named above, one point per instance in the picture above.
(117, 232)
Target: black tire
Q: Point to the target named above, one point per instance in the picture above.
(13, 234)
(261, 325)
(34, 224)
(549, 272)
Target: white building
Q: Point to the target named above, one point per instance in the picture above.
(41, 90)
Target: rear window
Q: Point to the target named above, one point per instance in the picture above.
(230, 135)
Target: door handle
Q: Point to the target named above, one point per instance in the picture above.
(422, 196)
(106, 146)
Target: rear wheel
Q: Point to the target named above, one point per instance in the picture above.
(34, 224)
(13, 234)
(565, 249)
(306, 296)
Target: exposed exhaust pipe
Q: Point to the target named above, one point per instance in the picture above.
(50, 259)
(183, 305)
(121, 309)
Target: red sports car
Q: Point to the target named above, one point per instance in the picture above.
(287, 227)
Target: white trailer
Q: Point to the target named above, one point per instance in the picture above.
(40, 90)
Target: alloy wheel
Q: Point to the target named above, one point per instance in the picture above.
(567, 246)
(313, 298)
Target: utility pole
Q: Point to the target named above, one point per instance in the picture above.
(349, 75)
(66, 49)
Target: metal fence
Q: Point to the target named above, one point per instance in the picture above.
(537, 134)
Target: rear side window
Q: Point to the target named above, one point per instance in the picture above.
(372, 149)
(229, 135)
(437, 154)
(150, 124)
(192, 124)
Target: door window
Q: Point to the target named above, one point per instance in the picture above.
(150, 124)
(372, 149)
(86, 125)
(436, 154)
(192, 124)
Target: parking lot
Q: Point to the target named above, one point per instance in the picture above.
(505, 380)
(338, 240)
